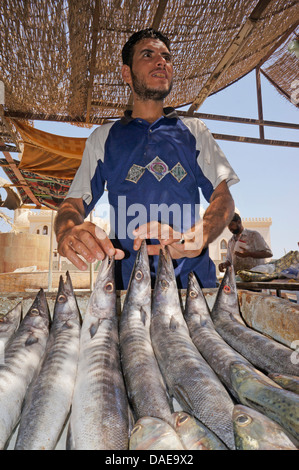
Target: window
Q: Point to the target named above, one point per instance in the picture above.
(45, 230)
(223, 245)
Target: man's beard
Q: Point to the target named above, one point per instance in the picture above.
(145, 93)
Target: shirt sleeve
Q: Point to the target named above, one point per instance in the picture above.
(89, 180)
(211, 160)
(259, 242)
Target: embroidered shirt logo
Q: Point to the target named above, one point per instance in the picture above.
(158, 168)
(178, 172)
(135, 173)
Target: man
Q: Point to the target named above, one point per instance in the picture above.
(153, 163)
(246, 248)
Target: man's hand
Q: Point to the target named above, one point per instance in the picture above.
(77, 239)
(166, 235)
(222, 266)
(88, 241)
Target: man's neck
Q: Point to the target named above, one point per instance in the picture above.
(148, 110)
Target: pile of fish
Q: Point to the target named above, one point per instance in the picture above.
(156, 377)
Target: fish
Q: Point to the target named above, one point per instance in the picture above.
(9, 323)
(190, 380)
(145, 384)
(255, 431)
(48, 402)
(218, 354)
(289, 382)
(100, 411)
(261, 393)
(263, 352)
(150, 433)
(22, 357)
(195, 435)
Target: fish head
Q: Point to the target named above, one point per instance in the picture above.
(148, 431)
(103, 297)
(244, 428)
(140, 281)
(195, 300)
(165, 284)
(256, 431)
(65, 307)
(39, 307)
(39, 311)
(227, 296)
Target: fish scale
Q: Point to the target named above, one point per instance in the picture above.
(49, 399)
(100, 412)
(145, 384)
(188, 376)
(263, 352)
(23, 355)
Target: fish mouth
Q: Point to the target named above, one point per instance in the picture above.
(107, 268)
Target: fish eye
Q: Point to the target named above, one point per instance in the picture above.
(109, 287)
(164, 283)
(135, 429)
(243, 420)
(193, 294)
(182, 419)
(61, 298)
(226, 289)
(34, 311)
(139, 275)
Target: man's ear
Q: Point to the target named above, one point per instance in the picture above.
(126, 74)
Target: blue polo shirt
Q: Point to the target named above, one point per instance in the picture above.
(153, 171)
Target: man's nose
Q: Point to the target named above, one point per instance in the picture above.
(161, 61)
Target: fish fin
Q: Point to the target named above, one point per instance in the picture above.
(173, 324)
(94, 328)
(70, 443)
(182, 398)
(143, 316)
(31, 340)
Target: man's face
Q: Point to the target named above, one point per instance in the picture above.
(235, 227)
(152, 71)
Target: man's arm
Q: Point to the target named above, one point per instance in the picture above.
(254, 254)
(77, 237)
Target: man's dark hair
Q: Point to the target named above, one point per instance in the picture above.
(236, 218)
(128, 49)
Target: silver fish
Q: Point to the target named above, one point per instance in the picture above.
(265, 353)
(218, 354)
(23, 355)
(145, 385)
(188, 376)
(261, 393)
(255, 431)
(289, 382)
(150, 433)
(50, 395)
(9, 323)
(193, 434)
(100, 413)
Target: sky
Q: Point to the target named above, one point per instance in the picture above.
(269, 175)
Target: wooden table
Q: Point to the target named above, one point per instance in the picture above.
(276, 284)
